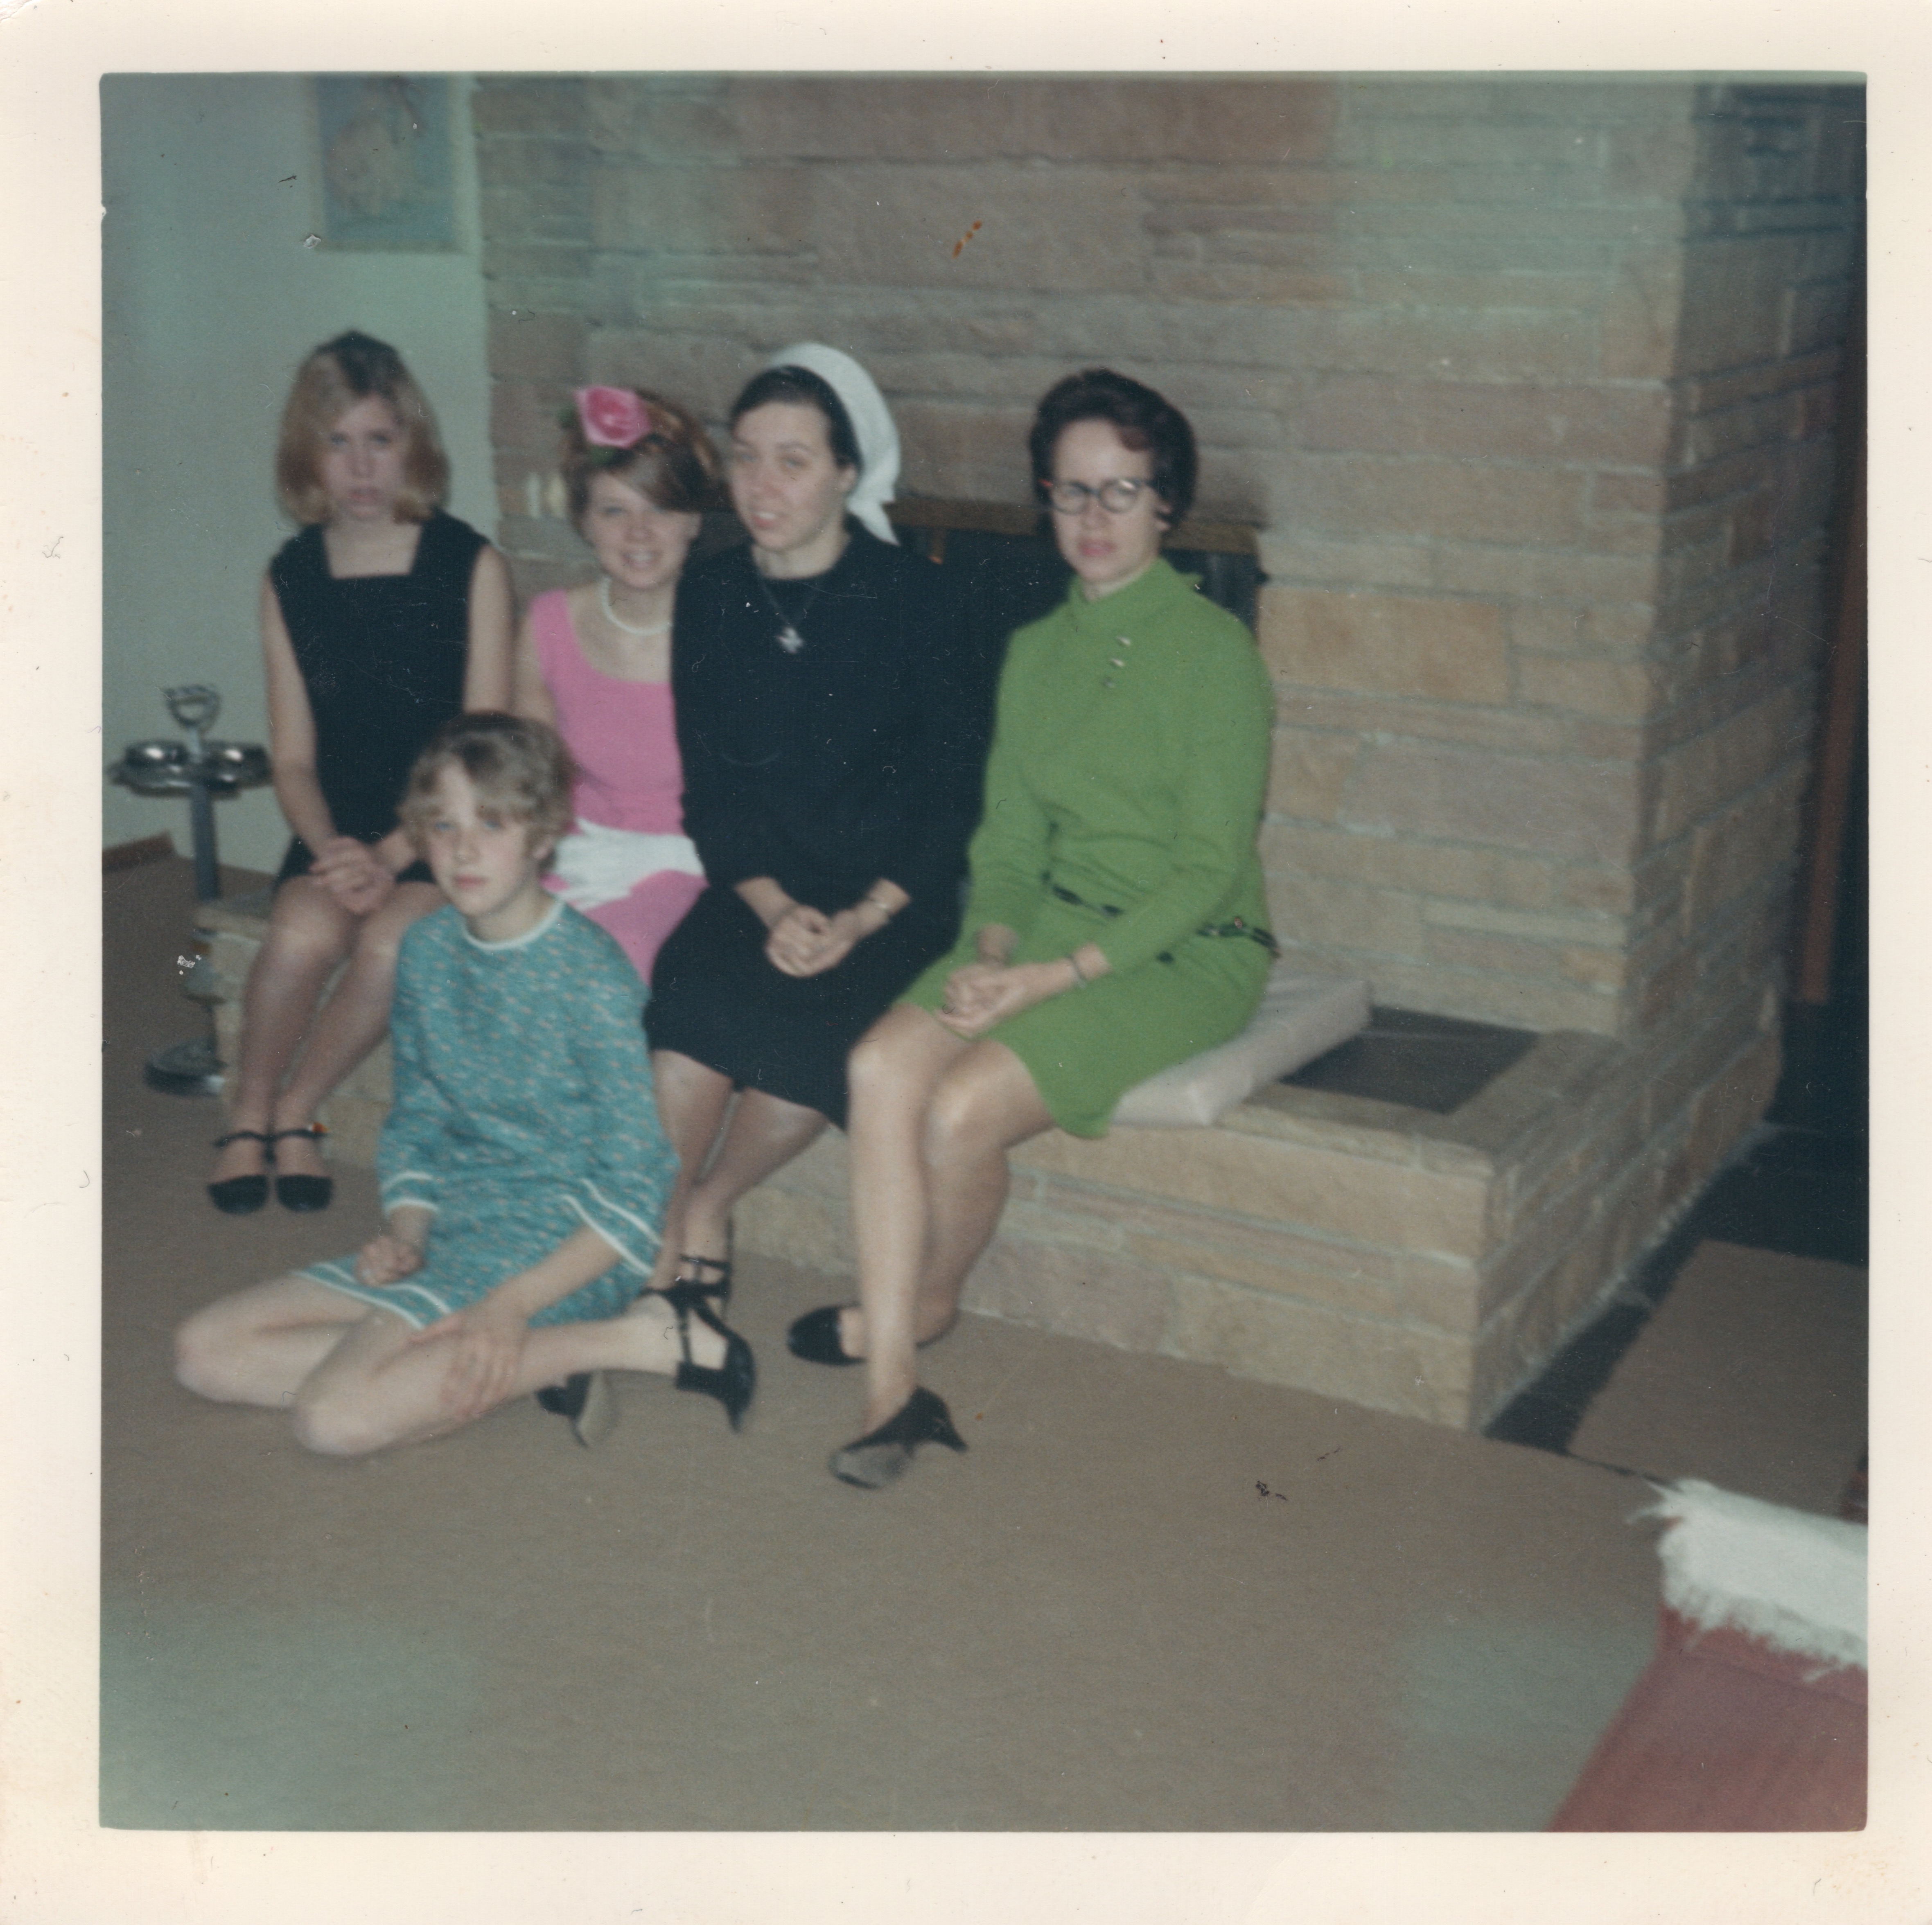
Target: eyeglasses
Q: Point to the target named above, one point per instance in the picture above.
(1116, 496)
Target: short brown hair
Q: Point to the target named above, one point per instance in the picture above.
(1145, 420)
(355, 368)
(518, 765)
(674, 467)
(801, 388)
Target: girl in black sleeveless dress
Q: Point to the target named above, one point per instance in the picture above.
(380, 620)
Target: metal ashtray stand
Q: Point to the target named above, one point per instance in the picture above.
(201, 770)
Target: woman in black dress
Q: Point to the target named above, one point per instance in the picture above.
(832, 723)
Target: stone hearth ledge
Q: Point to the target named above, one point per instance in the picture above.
(1420, 1264)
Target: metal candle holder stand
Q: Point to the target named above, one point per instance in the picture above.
(201, 770)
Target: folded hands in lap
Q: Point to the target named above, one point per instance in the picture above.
(353, 874)
(806, 941)
(982, 995)
(387, 1259)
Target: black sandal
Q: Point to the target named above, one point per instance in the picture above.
(720, 1286)
(731, 1382)
(242, 1196)
(302, 1192)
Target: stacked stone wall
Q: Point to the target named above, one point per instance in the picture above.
(1530, 389)
(1528, 385)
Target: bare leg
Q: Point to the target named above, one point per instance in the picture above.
(932, 1119)
(894, 1071)
(352, 1022)
(692, 1100)
(377, 1388)
(309, 933)
(258, 1345)
(986, 1106)
(762, 1134)
(356, 1382)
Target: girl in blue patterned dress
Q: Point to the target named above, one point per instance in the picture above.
(524, 1171)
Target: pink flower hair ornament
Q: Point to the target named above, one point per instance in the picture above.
(612, 417)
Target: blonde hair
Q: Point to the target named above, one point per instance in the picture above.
(352, 368)
(674, 467)
(517, 766)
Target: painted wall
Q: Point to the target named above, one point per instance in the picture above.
(211, 300)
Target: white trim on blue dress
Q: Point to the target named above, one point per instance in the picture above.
(541, 927)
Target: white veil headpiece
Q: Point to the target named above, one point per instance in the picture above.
(872, 422)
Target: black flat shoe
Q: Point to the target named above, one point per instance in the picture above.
(733, 1381)
(874, 1460)
(584, 1397)
(814, 1336)
(242, 1196)
(303, 1192)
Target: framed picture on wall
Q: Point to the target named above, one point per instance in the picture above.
(384, 162)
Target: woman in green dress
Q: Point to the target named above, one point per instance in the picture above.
(1116, 922)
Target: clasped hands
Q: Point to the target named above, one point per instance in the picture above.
(353, 874)
(987, 991)
(983, 994)
(387, 1259)
(805, 941)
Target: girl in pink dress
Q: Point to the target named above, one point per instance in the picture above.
(595, 662)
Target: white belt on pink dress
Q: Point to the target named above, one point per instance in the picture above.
(595, 863)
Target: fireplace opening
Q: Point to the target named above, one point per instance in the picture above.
(1423, 1062)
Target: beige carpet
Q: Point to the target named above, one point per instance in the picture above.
(1096, 1620)
(1750, 1375)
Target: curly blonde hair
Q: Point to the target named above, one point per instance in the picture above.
(517, 766)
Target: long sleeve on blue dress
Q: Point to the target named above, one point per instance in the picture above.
(622, 1193)
(411, 1149)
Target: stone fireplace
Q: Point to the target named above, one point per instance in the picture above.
(1527, 387)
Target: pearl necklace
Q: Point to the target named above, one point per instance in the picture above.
(615, 620)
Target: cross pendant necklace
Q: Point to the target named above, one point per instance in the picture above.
(789, 638)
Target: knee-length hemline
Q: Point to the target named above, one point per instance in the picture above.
(715, 999)
(523, 1113)
(473, 1251)
(1085, 1050)
(853, 756)
(1129, 756)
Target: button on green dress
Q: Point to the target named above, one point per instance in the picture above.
(1130, 761)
